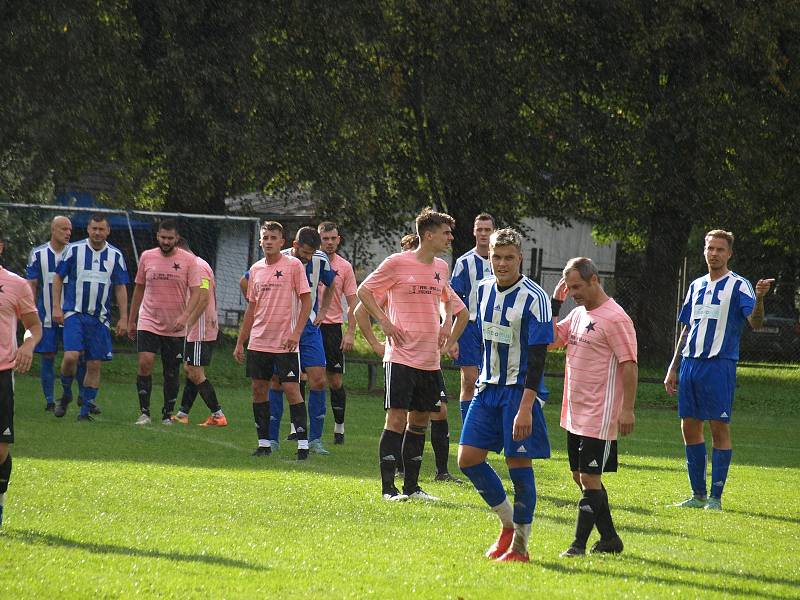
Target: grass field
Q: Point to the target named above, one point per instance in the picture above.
(107, 509)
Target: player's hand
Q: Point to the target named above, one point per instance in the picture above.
(561, 289)
(444, 335)
(378, 348)
(58, 315)
(671, 382)
(392, 332)
(348, 341)
(523, 425)
(180, 323)
(452, 351)
(626, 422)
(122, 327)
(291, 342)
(132, 334)
(23, 358)
(238, 353)
(762, 287)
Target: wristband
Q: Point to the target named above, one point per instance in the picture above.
(555, 305)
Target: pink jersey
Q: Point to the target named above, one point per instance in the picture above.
(167, 280)
(16, 299)
(598, 342)
(414, 291)
(206, 328)
(343, 284)
(275, 292)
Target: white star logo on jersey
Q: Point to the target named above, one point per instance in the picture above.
(593, 463)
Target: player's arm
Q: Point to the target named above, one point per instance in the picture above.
(367, 299)
(459, 323)
(324, 305)
(57, 310)
(556, 300)
(121, 294)
(244, 332)
(523, 421)
(33, 333)
(305, 310)
(136, 303)
(34, 283)
(243, 285)
(197, 296)
(671, 379)
(361, 316)
(350, 335)
(630, 379)
(756, 318)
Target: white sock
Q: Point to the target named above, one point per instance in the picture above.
(264, 444)
(218, 414)
(338, 428)
(505, 513)
(521, 534)
(302, 444)
(182, 414)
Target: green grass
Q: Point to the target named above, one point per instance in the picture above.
(106, 509)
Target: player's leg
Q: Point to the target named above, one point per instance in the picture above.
(469, 375)
(147, 345)
(260, 366)
(334, 369)
(91, 387)
(396, 402)
(97, 348)
(317, 408)
(691, 414)
(6, 433)
(718, 392)
(46, 349)
(302, 383)
(288, 369)
(189, 389)
(80, 376)
(73, 346)
(171, 359)
(275, 412)
(197, 377)
(440, 437)
(470, 345)
(413, 446)
(721, 455)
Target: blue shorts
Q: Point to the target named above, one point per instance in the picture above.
(705, 388)
(85, 333)
(490, 424)
(52, 338)
(312, 349)
(470, 345)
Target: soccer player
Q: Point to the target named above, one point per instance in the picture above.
(278, 306)
(414, 284)
(599, 395)
(713, 314)
(344, 284)
(16, 303)
(514, 321)
(82, 286)
(166, 277)
(471, 268)
(40, 270)
(201, 336)
(305, 247)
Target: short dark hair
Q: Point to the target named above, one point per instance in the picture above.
(484, 216)
(99, 218)
(272, 226)
(183, 244)
(308, 236)
(429, 219)
(409, 241)
(584, 266)
(327, 226)
(168, 225)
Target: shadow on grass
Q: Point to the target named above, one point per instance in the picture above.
(561, 503)
(28, 536)
(766, 516)
(725, 587)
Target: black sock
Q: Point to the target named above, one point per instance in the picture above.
(172, 384)
(189, 394)
(144, 385)
(338, 398)
(209, 395)
(604, 522)
(261, 413)
(299, 416)
(413, 444)
(302, 390)
(400, 454)
(390, 449)
(440, 441)
(5, 474)
(588, 508)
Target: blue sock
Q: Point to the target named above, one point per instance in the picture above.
(275, 414)
(464, 406)
(487, 482)
(720, 461)
(524, 494)
(316, 413)
(696, 465)
(80, 374)
(89, 396)
(47, 375)
(66, 383)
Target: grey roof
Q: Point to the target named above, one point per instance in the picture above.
(287, 203)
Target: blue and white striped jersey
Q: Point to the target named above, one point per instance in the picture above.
(42, 264)
(510, 321)
(470, 268)
(318, 270)
(90, 276)
(715, 312)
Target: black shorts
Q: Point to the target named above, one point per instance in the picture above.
(7, 406)
(442, 388)
(590, 455)
(263, 365)
(198, 354)
(332, 342)
(170, 348)
(413, 389)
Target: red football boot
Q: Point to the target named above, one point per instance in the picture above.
(514, 556)
(502, 544)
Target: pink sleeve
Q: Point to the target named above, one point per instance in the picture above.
(299, 279)
(195, 274)
(622, 340)
(141, 271)
(26, 303)
(381, 279)
(458, 304)
(251, 294)
(562, 327)
(349, 287)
